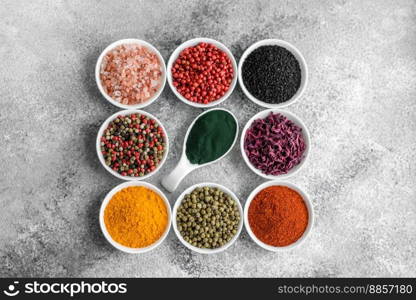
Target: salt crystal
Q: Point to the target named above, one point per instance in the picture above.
(132, 73)
(154, 83)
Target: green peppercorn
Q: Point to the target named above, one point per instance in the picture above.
(210, 216)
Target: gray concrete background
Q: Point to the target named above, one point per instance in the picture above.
(360, 107)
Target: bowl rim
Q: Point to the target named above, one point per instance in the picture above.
(193, 42)
(294, 118)
(107, 199)
(298, 55)
(308, 204)
(179, 201)
(104, 125)
(130, 41)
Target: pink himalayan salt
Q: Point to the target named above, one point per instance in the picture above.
(131, 74)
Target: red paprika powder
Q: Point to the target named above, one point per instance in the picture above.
(278, 216)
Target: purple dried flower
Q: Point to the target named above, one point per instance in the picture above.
(274, 145)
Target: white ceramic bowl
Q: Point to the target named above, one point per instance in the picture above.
(179, 201)
(295, 52)
(104, 228)
(295, 119)
(191, 43)
(105, 125)
(130, 41)
(308, 205)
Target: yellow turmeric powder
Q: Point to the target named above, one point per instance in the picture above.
(136, 217)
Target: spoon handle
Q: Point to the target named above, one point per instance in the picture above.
(171, 181)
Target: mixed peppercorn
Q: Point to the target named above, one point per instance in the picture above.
(208, 218)
(202, 73)
(133, 145)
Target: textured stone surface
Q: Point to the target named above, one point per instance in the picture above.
(359, 106)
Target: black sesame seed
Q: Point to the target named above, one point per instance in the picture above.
(271, 74)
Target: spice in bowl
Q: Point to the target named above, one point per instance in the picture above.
(208, 218)
(274, 145)
(211, 136)
(278, 216)
(271, 74)
(133, 145)
(131, 74)
(202, 73)
(136, 217)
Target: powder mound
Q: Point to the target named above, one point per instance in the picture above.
(131, 74)
(278, 216)
(136, 217)
(274, 145)
(211, 136)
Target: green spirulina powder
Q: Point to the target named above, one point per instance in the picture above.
(211, 137)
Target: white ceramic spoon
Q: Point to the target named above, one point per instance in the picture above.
(184, 166)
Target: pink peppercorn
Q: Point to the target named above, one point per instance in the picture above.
(202, 73)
